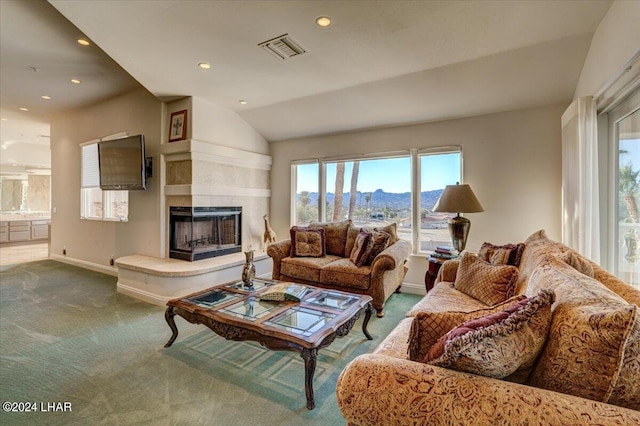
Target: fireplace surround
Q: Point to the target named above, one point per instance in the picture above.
(197, 233)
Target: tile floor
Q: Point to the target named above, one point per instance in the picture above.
(11, 254)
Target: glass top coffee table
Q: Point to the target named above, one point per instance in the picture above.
(236, 312)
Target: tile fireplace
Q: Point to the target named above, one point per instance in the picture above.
(197, 233)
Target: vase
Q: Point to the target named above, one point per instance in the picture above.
(249, 269)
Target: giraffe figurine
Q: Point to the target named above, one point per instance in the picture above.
(269, 233)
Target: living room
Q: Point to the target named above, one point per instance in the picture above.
(512, 149)
(525, 141)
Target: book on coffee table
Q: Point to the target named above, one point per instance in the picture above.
(285, 292)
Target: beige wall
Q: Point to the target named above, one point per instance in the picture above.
(512, 160)
(615, 41)
(97, 241)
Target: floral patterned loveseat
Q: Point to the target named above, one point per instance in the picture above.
(584, 371)
(341, 256)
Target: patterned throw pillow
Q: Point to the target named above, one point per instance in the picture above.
(359, 253)
(508, 254)
(377, 243)
(335, 236)
(307, 242)
(391, 229)
(490, 284)
(427, 326)
(499, 345)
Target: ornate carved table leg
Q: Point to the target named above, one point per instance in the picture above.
(168, 315)
(309, 356)
(367, 317)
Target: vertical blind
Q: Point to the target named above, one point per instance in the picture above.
(90, 166)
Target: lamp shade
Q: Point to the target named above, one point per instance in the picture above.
(458, 199)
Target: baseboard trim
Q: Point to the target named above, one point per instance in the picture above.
(109, 270)
(412, 288)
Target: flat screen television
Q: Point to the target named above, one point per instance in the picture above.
(122, 164)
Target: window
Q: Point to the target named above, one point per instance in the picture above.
(370, 192)
(305, 177)
(376, 191)
(96, 204)
(438, 169)
(625, 232)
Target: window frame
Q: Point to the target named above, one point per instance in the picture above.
(107, 197)
(414, 156)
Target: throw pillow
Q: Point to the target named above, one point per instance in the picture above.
(427, 326)
(307, 242)
(359, 253)
(378, 241)
(391, 229)
(508, 254)
(335, 235)
(501, 345)
(577, 262)
(490, 284)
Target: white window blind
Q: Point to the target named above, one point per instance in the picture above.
(90, 166)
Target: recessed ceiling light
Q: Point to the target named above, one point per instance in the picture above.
(83, 42)
(75, 81)
(323, 21)
(204, 65)
(5, 119)
(45, 97)
(242, 102)
(23, 109)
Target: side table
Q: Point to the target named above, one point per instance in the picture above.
(432, 272)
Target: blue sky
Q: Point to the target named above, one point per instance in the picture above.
(632, 146)
(391, 175)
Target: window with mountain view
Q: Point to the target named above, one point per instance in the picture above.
(370, 192)
(378, 191)
(305, 208)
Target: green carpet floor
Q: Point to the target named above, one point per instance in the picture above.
(67, 336)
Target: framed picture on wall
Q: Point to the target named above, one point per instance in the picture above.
(178, 126)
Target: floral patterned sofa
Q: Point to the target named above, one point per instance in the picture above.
(584, 368)
(341, 256)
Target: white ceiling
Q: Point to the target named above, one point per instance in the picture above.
(380, 63)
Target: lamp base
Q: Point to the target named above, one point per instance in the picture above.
(459, 229)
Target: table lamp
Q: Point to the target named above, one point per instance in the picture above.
(458, 199)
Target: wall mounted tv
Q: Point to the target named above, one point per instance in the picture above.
(122, 164)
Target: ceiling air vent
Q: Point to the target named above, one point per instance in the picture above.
(283, 47)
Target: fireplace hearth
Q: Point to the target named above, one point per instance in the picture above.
(197, 233)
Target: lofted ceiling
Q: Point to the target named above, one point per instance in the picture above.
(380, 63)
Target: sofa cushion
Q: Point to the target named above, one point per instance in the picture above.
(428, 327)
(336, 236)
(536, 247)
(360, 252)
(305, 268)
(508, 254)
(307, 242)
(395, 343)
(498, 345)
(578, 262)
(443, 297)
(490, 284)
(343, 273)
(591, 351)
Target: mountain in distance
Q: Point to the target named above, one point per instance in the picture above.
(381, 199)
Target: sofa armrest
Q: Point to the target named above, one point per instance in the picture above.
(391, 257)
(448, 271)
(278, 251)
(377, 389)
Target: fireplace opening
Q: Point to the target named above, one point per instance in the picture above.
(197, 233)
